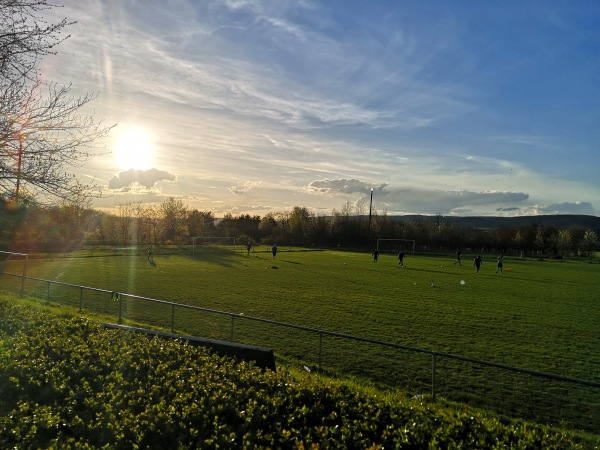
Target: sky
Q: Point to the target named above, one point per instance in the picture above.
(462, 108)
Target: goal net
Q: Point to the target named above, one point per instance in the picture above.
(223, 242)
(395, 245)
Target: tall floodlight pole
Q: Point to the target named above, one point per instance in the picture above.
(370, 209)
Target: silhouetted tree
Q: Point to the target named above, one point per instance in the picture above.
(200, 223)
(173, 214)
(43, 133)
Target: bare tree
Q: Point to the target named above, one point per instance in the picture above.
(299, 221)
(124, 220)
(589, 242)
(564, 242)
(43, 132)
(200, 223)
(44, 140)
(25, 37)
(152, 216)
(76, 216)
(267, 225)
(173, 213)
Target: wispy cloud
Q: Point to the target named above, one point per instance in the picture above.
(568, 208)
(305, 79)
(317, 102)
(399, 200)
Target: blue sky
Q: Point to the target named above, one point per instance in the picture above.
(456, 108)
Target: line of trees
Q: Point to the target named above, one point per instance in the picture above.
(73, 224)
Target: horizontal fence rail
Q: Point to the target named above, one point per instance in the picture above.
(555, 404)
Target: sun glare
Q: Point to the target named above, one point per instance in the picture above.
(133, 151)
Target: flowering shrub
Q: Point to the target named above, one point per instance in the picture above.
(70, 383)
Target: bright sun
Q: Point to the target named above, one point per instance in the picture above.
(134, 151)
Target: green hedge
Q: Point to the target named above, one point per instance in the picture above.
(69, 383)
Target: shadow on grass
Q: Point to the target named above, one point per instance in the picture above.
(275, 260)
(220, 257)
(289, 262)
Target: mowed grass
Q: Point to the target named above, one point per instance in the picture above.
(539, 315)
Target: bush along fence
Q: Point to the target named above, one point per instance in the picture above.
(516, 392)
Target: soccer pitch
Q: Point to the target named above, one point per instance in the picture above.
(536, 315)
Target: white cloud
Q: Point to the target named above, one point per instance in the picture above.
(146, 178)
(244, 187)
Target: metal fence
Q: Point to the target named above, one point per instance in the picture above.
(543, 397)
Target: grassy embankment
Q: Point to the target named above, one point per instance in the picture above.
(69, 383)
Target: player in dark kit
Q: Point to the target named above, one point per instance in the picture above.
(499, 265)
(477, 263)
(458, 253)
(150, 254)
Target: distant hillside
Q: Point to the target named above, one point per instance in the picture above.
(558, 221)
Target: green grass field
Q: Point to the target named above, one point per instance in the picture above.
(539, 315)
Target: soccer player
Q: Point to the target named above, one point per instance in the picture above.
(248, 247)
(499, 265)
(274, 251)
(375, 255)
(401, 259)
(458, 253)
(150, 254)
(477, 263)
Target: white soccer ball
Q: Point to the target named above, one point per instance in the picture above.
(462, 281)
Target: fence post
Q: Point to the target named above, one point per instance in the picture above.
(320, 348)
(232, 328)
(24, 277)
(172, 318)
(120, 309)
(48, 294)
(80, 298)
(433, 364)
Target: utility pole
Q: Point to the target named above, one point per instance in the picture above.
(370, 209)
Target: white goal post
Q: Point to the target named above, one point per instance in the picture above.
(381, 243)
(212, 240)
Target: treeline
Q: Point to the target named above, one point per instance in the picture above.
(72, 225)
